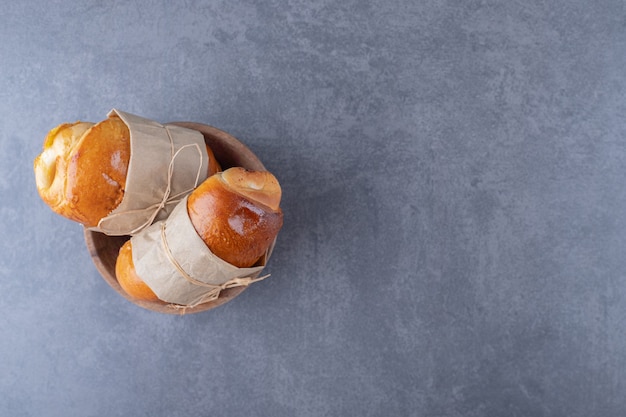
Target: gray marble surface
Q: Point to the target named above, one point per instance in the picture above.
(454, 197)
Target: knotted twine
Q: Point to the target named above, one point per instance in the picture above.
(214, 290)
(173, 260)
(167, 162)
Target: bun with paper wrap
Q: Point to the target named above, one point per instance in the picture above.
(236, 213)
(81, 172)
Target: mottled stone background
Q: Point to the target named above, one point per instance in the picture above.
(454, 193)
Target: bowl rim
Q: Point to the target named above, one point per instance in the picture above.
(223, 145)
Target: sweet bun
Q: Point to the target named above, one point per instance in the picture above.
(81, 172)
(237, 215)
(127, 276)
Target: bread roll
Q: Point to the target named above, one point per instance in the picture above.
(81, 172)
(237, 215)
(127, 276)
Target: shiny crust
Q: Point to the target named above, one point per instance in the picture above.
(127, 276)
(89, 172)
(81, 172)
(236, 225)
(214, 166)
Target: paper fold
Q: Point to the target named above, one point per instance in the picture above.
(166, 163)
(177, 265)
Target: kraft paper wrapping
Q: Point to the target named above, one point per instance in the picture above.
(166, 163)
(177, 265)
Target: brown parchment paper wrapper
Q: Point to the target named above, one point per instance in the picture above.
(177, 265)
(166, 163)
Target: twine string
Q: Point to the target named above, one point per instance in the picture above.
(214, 289)
(166, 200)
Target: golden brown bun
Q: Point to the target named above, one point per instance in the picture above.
(214, 166)
(81, 172)
(128, 278)
(237, 215)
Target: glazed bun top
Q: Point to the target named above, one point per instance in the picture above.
(237, 214)
(81, 172)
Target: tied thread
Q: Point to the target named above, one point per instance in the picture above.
(166, 199)
(215, 289)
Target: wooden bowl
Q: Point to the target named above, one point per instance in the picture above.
(104, 249)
